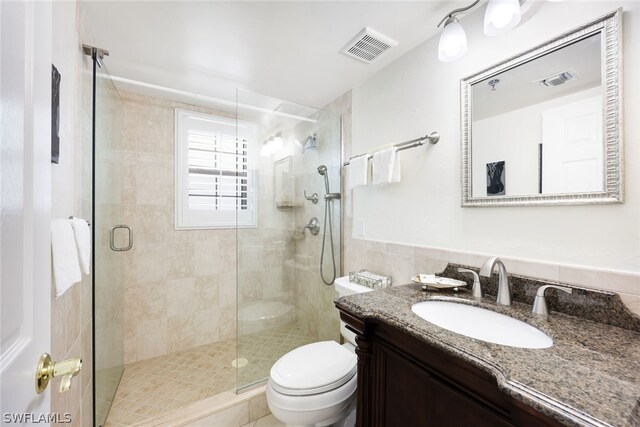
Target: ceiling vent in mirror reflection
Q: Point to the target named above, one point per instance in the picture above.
(368, 45)
(557, 79)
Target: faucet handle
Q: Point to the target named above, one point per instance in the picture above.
(540, 302)
(476, 291)
(313, 198)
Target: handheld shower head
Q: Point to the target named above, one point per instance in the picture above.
(322, 170)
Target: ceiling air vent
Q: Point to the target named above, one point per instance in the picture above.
(558, 79)
(368, 45)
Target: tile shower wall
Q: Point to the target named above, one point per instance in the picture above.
(315, 311)
(71, 323)
(179, 285)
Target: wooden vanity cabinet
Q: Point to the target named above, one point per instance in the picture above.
(404, 381)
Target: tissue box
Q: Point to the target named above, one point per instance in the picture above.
(369, 279)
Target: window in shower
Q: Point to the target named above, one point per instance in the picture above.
(215, 182)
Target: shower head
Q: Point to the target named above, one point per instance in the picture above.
(322, 170)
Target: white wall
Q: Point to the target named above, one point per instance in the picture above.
(514, 138)
(418, 94)
(65, 196)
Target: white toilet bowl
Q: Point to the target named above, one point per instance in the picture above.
(314, 385)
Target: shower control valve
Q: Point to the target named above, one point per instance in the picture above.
(314, 197)
(313, 226)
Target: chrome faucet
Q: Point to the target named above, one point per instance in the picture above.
(540, 303)
(504, 288)
(476, 290)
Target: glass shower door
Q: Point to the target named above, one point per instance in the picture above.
(282, 302)
(110, 237)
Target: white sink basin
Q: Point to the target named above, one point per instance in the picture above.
(482, 324)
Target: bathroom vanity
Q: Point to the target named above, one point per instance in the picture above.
(414, 373)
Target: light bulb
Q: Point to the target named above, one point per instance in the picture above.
(453, 41)
(277, 143)
(265, 150)
(501, 16)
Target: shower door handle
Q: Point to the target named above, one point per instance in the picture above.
(112, 243)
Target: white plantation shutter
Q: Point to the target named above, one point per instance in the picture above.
(218, 172)
(214, 172)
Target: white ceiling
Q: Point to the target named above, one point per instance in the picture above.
(288, 50)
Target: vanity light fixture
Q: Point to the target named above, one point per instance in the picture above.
(453, 40)
(265, 150)
(501, 16)
(278, 143)
(272, 145)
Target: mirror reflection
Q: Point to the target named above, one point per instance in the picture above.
(537, 128)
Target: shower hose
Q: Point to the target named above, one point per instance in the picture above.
(327, 214)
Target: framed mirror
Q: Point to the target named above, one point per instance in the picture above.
(545, 127)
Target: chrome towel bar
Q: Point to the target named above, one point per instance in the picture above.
(433, 138)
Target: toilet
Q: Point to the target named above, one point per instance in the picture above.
(315, 385)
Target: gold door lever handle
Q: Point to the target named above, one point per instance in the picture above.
(48, 369)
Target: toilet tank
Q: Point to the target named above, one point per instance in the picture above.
(344, 288)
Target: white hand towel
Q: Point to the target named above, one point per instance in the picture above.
(386, 166)
(358, 171)
(66, 269)
(82, 234)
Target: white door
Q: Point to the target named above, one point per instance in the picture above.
(572, 148)
(25, 202)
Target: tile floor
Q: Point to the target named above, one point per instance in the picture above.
(268, 421)
(263, 349)
(153, 387)
(106, 381)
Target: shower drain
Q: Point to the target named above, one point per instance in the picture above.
(239, 363)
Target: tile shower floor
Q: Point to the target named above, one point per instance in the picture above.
(153, 387)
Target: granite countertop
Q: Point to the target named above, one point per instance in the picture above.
(589, 377)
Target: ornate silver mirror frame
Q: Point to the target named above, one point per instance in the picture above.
(610, 28)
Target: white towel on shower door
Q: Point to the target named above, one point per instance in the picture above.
(358, 171)
(64, 256)
(386, 166)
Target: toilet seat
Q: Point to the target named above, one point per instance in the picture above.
(319, 406)
(313, 369)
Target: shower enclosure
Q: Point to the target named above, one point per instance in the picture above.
(102, 133)
(282, 300)
(181, 315)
